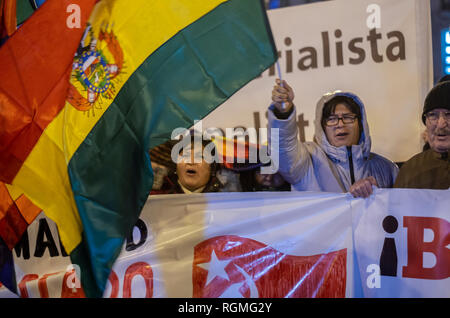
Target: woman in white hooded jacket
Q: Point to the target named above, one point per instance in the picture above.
(339, 159)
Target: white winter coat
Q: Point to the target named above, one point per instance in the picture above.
(319, 166)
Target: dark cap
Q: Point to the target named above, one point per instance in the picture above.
(438, 97)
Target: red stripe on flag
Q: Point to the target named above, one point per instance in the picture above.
(8, 18)
(12, 226)
(36, 63)
(15, 216)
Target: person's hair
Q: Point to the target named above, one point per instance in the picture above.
(330, 107)
(193, 141)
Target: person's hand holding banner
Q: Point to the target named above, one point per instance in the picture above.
(363, 188)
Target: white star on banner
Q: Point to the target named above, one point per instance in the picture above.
(215, 267)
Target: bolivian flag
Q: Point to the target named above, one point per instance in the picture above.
(141, 69)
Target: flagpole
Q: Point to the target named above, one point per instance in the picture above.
(283, 106)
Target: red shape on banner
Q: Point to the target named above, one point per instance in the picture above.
(42, 284)
(23, 284)
(417, 246)
(229, 266)
(68, 292)
(114, 281)
(143, 269)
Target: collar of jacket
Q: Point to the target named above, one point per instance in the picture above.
(441, 155)
(187, 191)
(340, 154)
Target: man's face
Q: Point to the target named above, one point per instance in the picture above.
(193, 175)
(343, 134)
(438, 131)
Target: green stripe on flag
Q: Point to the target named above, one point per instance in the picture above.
(185, 79)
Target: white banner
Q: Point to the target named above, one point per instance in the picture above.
(264, 244)
(405, 236)
(378, 49)
(241, 245)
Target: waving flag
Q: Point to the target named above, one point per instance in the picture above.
(240, 155)
(8, 20)
(16, 213)
(227, 266)
(34, 75)
(140, 70)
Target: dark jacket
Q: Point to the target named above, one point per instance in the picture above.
(426, 170)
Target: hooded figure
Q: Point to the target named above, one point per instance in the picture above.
(320, 166)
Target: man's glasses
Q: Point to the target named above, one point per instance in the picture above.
(433, 116)
(346, 119)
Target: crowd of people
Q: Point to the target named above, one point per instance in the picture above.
(338, 160)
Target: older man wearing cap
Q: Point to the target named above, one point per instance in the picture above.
(430, 169)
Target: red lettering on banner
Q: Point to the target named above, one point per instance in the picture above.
(42, 284)
(114, 281)
(417, 246)
(23, 284)
(145, 271)
(66, 291)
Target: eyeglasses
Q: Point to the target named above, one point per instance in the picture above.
(433, 116)
(346, 119)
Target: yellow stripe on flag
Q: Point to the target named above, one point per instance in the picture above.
(140, 29)
(45, 179)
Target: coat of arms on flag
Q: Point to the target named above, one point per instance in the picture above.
(48, 145)
(96, 67)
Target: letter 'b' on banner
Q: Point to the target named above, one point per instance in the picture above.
(417, 247)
